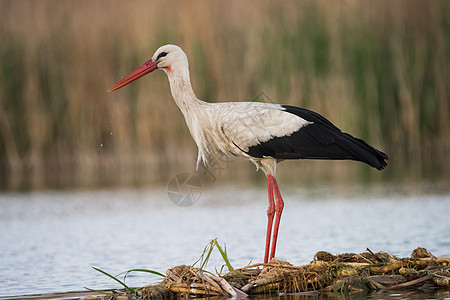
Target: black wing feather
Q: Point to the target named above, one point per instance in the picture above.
(319, 140)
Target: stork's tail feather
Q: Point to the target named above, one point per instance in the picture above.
(361, 151)
(322, 140)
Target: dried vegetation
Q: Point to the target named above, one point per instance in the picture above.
(327, 273)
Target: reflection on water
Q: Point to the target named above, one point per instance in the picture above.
(392, 295)
(50, 241)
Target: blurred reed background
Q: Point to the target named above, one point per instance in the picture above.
(377, 69)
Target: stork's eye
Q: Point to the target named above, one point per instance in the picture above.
(162, 54)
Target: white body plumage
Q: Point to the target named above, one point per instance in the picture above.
(227, 128)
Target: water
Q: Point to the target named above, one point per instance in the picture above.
(50, 241)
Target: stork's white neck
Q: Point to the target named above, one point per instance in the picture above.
(191, 107)
(181, 88)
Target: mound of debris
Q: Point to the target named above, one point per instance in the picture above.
(343, 273)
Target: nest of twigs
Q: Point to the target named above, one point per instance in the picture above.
(344, 273)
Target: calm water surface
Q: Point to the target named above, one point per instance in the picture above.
(50, 241)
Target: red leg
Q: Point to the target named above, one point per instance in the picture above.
(279, 205)
(270, 214)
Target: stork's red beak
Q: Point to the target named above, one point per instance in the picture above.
(146, 68)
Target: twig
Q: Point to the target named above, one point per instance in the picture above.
(234, 292)
(411, 283)
(269, 265)
(376, 256)
(366, 259)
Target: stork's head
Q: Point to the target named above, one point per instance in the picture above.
(169, 58)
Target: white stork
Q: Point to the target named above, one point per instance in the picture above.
(263, 133)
